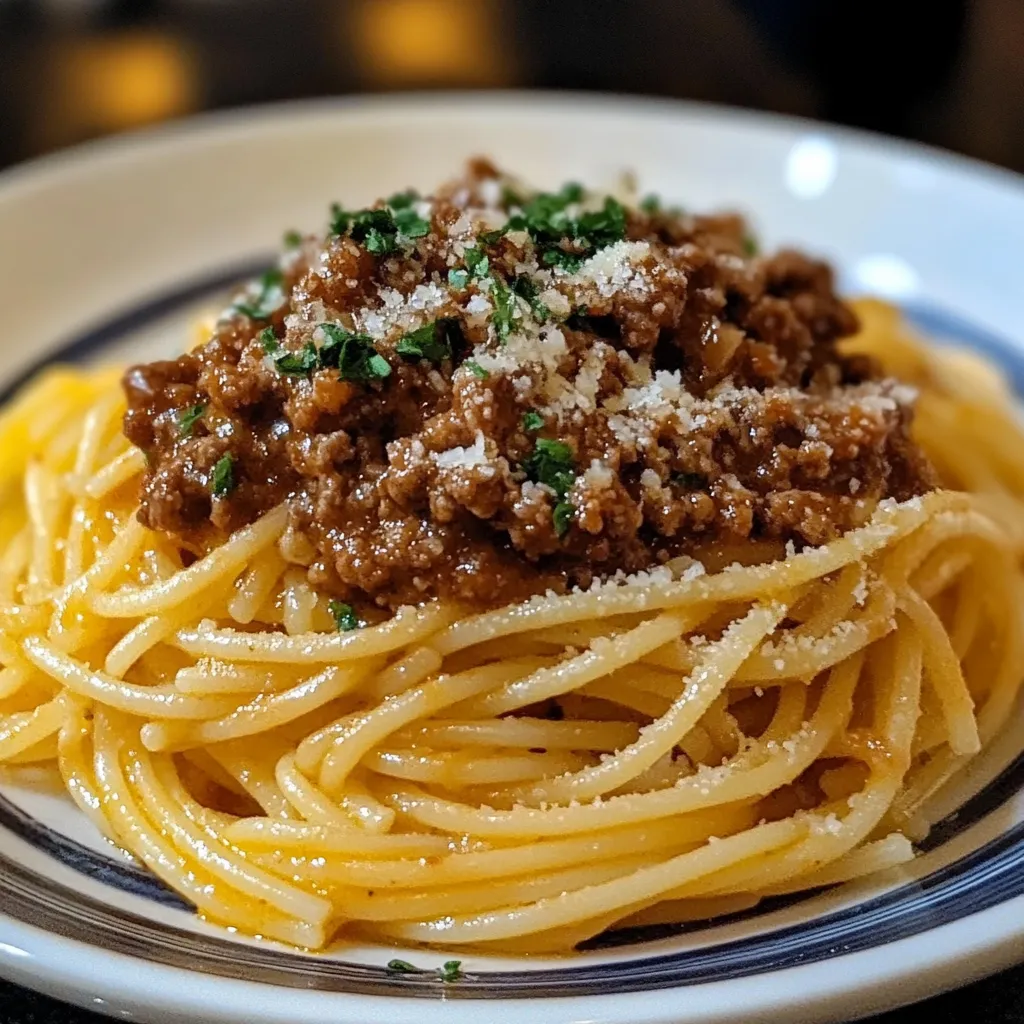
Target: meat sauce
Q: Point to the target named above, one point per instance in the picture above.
(489, 393)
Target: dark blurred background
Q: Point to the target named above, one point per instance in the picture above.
(950, 72)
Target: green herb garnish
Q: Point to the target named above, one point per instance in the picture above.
(750, 246)
(222, 481)
(504, 308)
(431, 341)
(476, 369)
(352, 354)
(292, 239)
(533, 421)
(189, 418)
(340, 219)
(476, 261)
(525, 288)
(402, 200)
(411, 224)
(291, 364)
(449, 971)
(565, 240)
(650, 204)
(561, 517)
(458, 278)
(379, 229)
(552, 463)
(344, 616)
(263, 297)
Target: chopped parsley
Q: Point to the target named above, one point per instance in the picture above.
(222, 481)
(533, 421)
(188, 419)
(562, 517)
(431, 341)
(750, 246)
(552, 463)
(404, 967)
(291, 364)
(344, 616)
(352, 354)
(476, 262)
(476, 369)
(411, 224)
(449, 971)
(403, 200)
(504, 308)
(263, 297)
(381, 229)
(292, 239)
(547, 219)
(650, 203)
(458, 278)
(525, 288)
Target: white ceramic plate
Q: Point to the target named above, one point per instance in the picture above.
(110, 250)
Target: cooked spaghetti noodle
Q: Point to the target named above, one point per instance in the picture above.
(721, 736)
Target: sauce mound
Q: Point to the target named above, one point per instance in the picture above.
(493, 392)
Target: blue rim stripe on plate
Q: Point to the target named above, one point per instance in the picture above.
(982, 879)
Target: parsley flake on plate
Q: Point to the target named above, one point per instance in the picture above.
(476, 369)
(449, 971)
(532, 420)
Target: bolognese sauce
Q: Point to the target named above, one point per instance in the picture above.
(491, 392)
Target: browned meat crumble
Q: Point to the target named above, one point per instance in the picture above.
(488, 393)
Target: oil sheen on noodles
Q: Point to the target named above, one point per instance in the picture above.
(301, 784)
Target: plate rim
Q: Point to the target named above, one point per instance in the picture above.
(831, 990)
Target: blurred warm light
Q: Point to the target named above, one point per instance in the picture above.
(131, 79)
(112, 82)
(427, 42)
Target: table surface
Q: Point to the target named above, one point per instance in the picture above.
(997, 1000)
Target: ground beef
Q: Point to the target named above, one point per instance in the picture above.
(604, 387)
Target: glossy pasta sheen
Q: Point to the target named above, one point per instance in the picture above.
(669, 748)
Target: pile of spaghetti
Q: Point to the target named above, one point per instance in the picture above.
(720, 736)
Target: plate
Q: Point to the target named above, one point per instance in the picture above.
(114, 248)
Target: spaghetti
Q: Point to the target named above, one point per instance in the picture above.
(776, 725)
